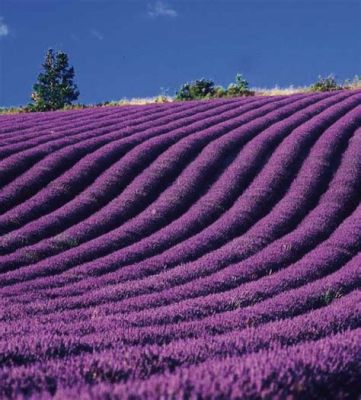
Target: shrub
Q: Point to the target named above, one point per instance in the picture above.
(239, 88)
(325, 84)
(220, 91)
(199, 89)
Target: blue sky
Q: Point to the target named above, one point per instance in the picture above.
(139, 48)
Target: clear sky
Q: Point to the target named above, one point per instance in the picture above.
(139, 48)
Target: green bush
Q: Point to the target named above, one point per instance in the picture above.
(220, 92)
(239, 88)
(198, 89)
(327, 84)
(205, 89)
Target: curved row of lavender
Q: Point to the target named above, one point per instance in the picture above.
(199, 250)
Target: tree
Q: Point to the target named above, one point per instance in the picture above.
(55, 86)
(239, 88)
(327, 84)
(199, 89)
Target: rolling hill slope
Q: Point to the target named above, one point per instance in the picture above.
(185, 250)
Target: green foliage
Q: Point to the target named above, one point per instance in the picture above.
(55, 87)
(327, 84)
(205, 89)
(220, 92)
(199, 89)
(330, 295)
(239, 88)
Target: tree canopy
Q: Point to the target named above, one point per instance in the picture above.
(55, 86)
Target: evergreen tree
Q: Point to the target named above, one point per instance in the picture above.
(55, 86)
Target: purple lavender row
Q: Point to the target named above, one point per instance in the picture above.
(34, 129)
(110, 125)
(310, 178)
(204, 115)
(26, 121)
(282, 305)
(182, 308)
(62, 132)
(324, 259)
(225, 227)
(272, 309)
(141, 123)
(104, 336)
(26, 360)
(70, 130)
(18, 163)
(199, 167)
(268, 261)
(135, 134)
(114, 151)
(227, 139)
(45, 135)
(328, 368)
(118, 261)
(171, 139)
(31, 342)
(16, 125)
(39, 133)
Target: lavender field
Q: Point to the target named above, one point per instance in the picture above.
(187, 250)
